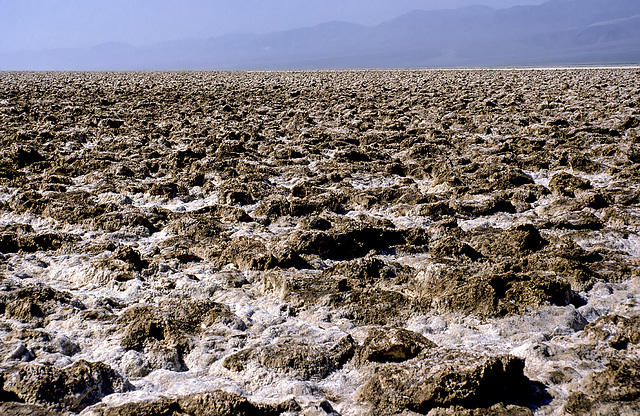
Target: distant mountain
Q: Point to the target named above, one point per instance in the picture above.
(558, 32)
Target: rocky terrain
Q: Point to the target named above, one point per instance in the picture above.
(460, 242)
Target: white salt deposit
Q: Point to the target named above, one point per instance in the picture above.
(546, 337)
(522, 336)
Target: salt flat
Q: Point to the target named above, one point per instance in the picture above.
(451, 242)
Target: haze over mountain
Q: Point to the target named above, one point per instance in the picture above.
(557, 32)
(38, 24)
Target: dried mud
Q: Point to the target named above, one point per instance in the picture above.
(460, 242)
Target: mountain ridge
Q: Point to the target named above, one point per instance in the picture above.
(557, 32)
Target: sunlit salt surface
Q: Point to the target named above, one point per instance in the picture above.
(264, 315)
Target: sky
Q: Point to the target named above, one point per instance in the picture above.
(48, 24)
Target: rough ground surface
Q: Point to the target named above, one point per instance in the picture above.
(320, 243)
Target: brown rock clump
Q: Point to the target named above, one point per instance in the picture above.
(71, 388)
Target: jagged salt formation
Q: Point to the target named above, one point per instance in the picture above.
(353, 243)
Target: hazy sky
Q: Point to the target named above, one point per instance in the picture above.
(39, 24)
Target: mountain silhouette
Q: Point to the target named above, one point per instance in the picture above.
(558, 32)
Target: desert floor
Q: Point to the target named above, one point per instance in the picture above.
(455, 242)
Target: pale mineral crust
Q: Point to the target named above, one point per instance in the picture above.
(451, 242)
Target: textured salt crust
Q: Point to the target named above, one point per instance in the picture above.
(284, 182)
(363, 182)
(520, 335)
(629, 243)
(256, 383)
(39, 224)
(542, 177)
(7, 194)
(500, 220)
(175, 204)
